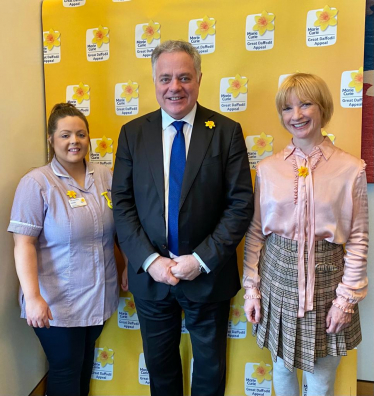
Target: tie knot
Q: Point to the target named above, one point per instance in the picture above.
(178, 125)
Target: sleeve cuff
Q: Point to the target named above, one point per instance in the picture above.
(341, 303)
(252, 292)
(201, 262)
(148, 261)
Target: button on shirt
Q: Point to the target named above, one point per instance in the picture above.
(168, 135)
(75, 252)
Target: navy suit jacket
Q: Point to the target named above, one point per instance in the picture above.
(216, 204)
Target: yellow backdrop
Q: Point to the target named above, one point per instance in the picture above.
(96, 55)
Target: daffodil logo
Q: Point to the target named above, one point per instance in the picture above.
(130, 90)
(357, 80)
(105, 357)
(262, 372)
(104, 146)
(151, 32)
(326, 18)
(205, 27)
(264, 22)
(237, 314)
(330, 135)
(81, 93)
(237, 85)
(51, 39)
(262, 143)
(100, 36)
(303, 171)
(130, 307)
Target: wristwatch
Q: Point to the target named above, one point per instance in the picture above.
(202, 270)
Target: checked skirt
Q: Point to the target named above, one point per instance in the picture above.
(300, 341)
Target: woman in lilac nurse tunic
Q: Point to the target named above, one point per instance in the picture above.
(64, 251)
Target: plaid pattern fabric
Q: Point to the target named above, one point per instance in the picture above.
(300, 341)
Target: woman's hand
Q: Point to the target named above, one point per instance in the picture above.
(38, 313)
(337, 320)
(124, 280)
(252, 309)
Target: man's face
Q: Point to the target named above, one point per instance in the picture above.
(177, 84)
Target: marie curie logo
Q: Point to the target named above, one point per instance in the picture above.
(233, 94)
(127, 316)
(257, 379)
(258, 148)
(259, 32)
(237, 322)
(351, 85)
(143, 372)
(147, 38)
(103, 364)
(97, 44)
(202, 34)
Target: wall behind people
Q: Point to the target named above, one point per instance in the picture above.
(97, 57)
(22, 131)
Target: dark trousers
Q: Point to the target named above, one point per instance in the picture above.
(70, 353)
(160, 325)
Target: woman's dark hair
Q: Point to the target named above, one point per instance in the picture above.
(61, 110)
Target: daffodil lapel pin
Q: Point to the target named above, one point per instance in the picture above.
(210, 124)
(303, 171)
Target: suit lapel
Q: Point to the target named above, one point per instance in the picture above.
(200, 141)
(152, 132)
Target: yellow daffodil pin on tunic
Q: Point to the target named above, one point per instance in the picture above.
(210, 124)
(71, 194)
(109, 202)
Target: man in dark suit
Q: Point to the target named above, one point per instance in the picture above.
(183, 200)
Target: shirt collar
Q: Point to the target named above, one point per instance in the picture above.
(168, 120)
(326, 147)
(59, 170)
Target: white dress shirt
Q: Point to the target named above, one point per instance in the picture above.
(168, 135)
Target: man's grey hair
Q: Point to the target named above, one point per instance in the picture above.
(177, 46)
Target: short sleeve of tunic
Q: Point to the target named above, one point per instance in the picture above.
(29, 207)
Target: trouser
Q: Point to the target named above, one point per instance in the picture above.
(70, 353)
(160, 325)
(321, 383)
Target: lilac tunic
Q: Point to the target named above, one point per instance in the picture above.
(76, 266)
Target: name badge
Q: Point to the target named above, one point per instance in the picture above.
(77, 202)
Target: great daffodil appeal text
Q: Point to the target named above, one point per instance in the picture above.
(130, 307)
(357, 80)
(237, 314)
(261, 372)
(262, 143)
(264, 22)
(326, 18)
(105, 357)
(51, 39)
(100, 36)
(130, 90)
(151, 31)
(81, 92)
(237, 85)
(205, 27)
(104, 146)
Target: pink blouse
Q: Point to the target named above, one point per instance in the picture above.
(329, 201)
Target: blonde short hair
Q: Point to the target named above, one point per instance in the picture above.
(306, 87)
